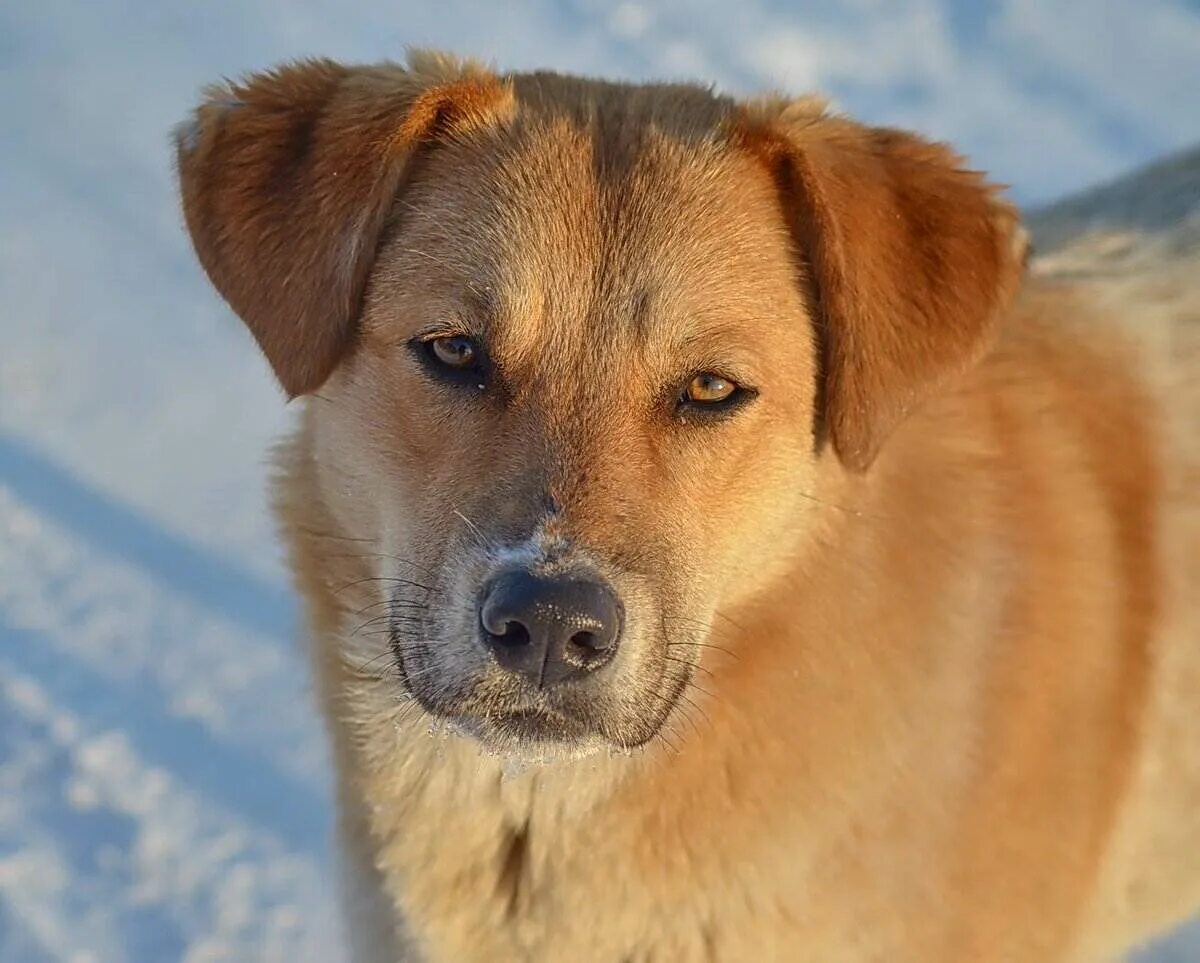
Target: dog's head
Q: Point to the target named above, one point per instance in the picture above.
(584, 351)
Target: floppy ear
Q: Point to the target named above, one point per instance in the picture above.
(287, 180)
(911, 260)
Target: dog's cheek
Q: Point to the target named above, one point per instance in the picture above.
(767, 510)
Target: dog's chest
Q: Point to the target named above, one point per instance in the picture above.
(485, 865)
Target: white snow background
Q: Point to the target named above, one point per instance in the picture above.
(163, 787)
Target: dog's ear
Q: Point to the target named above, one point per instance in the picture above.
(910, 258)
(288, 177)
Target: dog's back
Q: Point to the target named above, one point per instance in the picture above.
(1148, 287)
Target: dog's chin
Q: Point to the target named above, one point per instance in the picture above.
(536, 737)
(521, 737)
(524, 735)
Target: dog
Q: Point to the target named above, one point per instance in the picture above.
(716, 544)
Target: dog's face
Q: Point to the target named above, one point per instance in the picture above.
(585, 393)
(584, 353)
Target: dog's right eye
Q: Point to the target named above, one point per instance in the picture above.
(453, 357)
(454, 352)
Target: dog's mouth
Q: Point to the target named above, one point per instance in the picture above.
(541, 729)
(497, 714)
(507, 718)
(539, 726)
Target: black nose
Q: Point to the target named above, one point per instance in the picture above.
(550, 629)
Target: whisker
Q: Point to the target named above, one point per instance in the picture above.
(394, 604)
(397, 610)
(409, 708)
(699, 688)
(420, 672)
(445, 264)
(858, 513)
(394, 558)
(370, 662)
(390, 619)
(380, 578)
(339, 538)
(705, 645)
(662, 734)
(705, 625)
(375, 621)
(691, 665)
(688, 715)
(483, 539)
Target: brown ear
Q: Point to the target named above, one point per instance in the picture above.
(911, 258)
(287, 180)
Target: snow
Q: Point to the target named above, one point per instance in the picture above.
(150, 809)
(164, 789)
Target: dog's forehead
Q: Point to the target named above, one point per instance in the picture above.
(594, 201)
(685, 112)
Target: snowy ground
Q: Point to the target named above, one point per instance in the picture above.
(163, 787)
(162, 793)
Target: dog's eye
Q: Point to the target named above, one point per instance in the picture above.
(707, 388)
(452, 359)
(454, 352)
(710, 396)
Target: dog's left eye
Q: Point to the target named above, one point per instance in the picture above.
(711, 395)
(707, 388)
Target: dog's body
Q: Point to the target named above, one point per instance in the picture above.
(942, 679)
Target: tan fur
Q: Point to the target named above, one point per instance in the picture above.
(911, 666)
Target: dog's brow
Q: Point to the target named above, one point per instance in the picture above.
(481, 303)
(641, 309)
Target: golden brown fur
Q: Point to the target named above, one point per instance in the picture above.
(913, 640)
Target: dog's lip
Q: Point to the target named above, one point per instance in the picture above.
(530, 717)
(522, 723)
(538, 725)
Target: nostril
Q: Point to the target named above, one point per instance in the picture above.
(514, 635)
(590, 641)
(584, 640)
